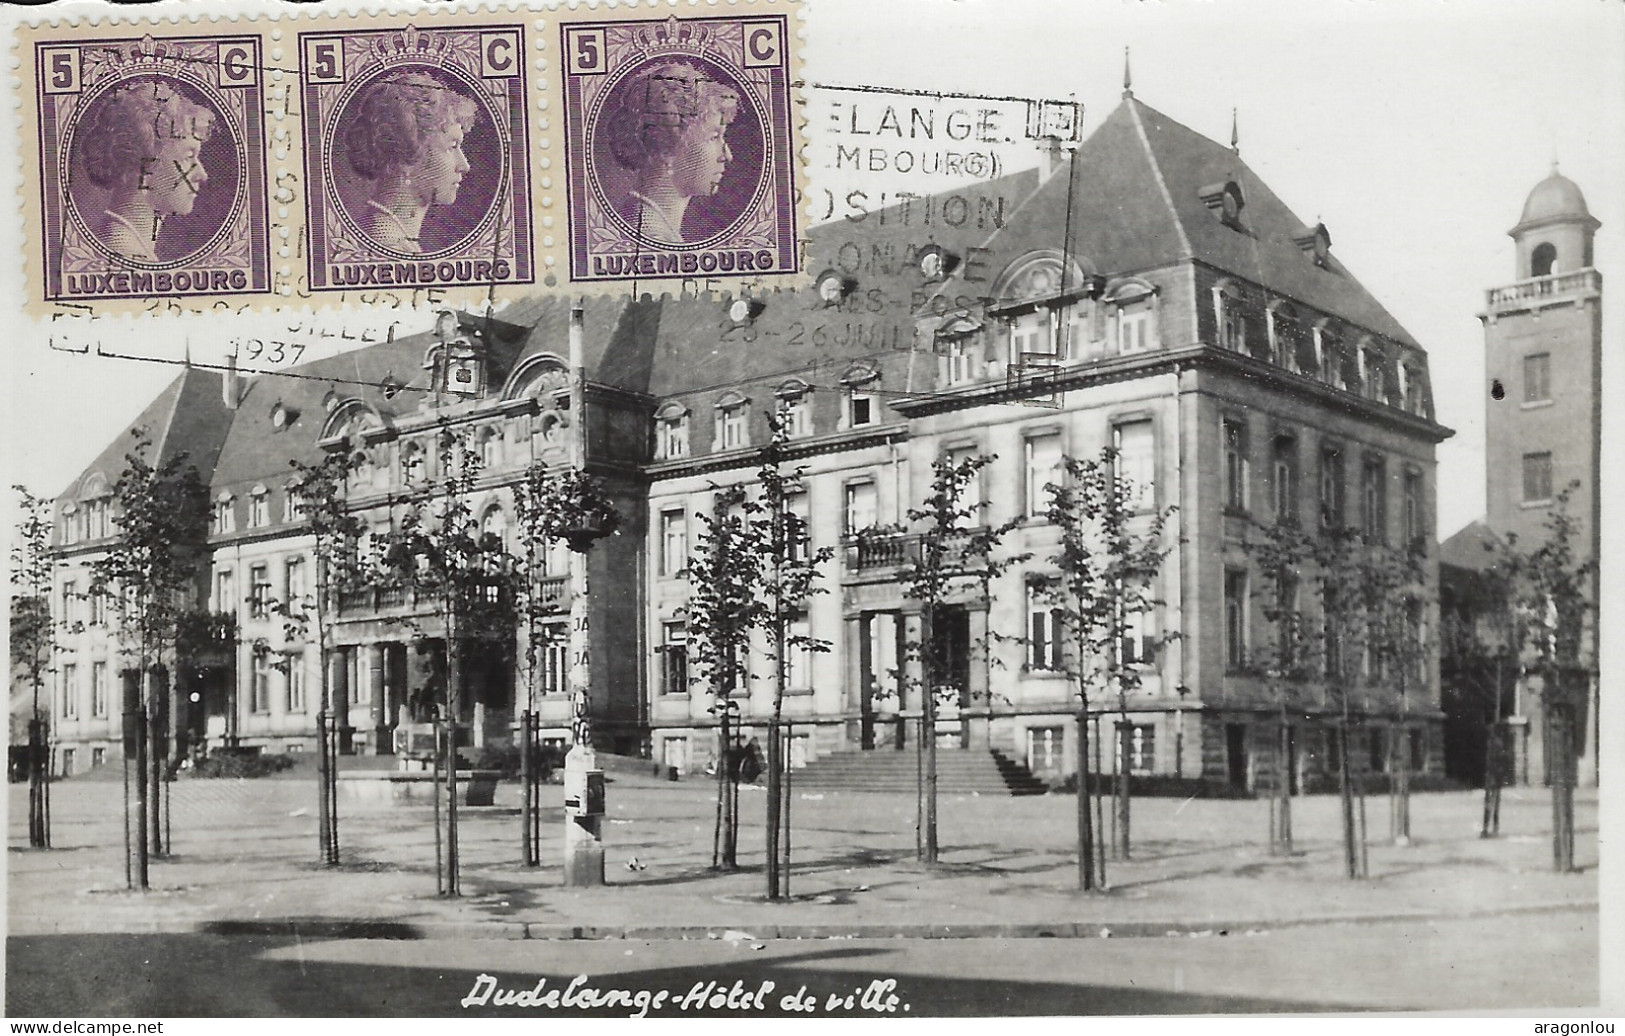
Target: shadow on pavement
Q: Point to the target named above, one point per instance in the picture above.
(215, 975)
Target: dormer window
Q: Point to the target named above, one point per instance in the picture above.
(293, 502)
(732, 422)
(795, 408)
(959, 364)
(1032, 337)
(860, 405)
(1135, 316)
(1226, 201)
(1285, 335)
(70, 524)
(1228, 317)
(224, 517)
(259, 508)
(671, 432)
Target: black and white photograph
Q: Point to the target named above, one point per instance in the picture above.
(1144, 557)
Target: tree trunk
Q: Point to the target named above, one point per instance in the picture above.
(1125, 754)
(1086, 834)
(928, 736)
(775, 808)
(1560, 749)
(39, 831)
(1281, 818)
(1492, 782)
(1345, 788)
(454, 675)
(1400, 785)
(141, 804)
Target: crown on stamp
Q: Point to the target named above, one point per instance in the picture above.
(411, 45)
(673, 36)
(145, 56)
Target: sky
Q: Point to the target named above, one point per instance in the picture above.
(1414, 130)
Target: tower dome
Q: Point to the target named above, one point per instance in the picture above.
(1554, 199)
(1555, 233)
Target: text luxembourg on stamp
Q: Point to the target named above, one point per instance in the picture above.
(262, 156)
(416, 158)
(152, 167)
(679, 148)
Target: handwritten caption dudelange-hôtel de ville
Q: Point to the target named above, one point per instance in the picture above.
(879, 997)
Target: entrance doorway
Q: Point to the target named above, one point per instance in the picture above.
(1235, 743)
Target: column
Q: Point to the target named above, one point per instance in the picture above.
(377, 721)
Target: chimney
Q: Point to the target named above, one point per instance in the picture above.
(230, 388)
(1050, 158)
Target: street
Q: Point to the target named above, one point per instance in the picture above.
(1449, 965)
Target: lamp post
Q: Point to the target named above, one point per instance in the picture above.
(583, 780)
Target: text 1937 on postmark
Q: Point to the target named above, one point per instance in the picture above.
(679, 147)
(152, 167)
(416, 158)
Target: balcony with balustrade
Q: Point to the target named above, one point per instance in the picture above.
(1536, 292)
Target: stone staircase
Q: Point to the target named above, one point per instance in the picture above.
(959, 772)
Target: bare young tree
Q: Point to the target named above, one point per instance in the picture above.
(33, 643)
(321, 500)
(954, 558)
(1105, 589)
(162, 513)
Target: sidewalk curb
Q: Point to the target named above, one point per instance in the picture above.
(537, 931)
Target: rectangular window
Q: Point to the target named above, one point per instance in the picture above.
(1137, 461)
(731, 427)
(293, 504)
(293, 584)
(553, 659)
(1235, 619)
(674, 658)
(1419, 751)
(1044, 631)
(961, 355)
(1331, 612)
(798, 529)
(798, 659)
(70, 602)
(259, 698)
(1046, 748)
(1284, 479)
(797, 416)
(1138, 641)
(259, 591)
(671, 438)
(98, 689)
(1031, 336)
(295, 667)
(1134, 328)
(70, 527)
(1236, 467)
(1142, 748)
(67, 762)
(860, 407)
(861, 507)
(1286, 620)
(1043, 456)
(1232, 326)
(98, 757)
(222, 517)
(259, 510)
(1374, 500)
(673, 542)
(97, 602)
(225, 596)
(971, 495)
(1537, 378)
(1377, 743)
(1413, 508)
(1331, 487)
(1537, 478)
(70, 691)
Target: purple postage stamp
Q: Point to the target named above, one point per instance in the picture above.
(416, 159)
(679, 147)
(152, 167)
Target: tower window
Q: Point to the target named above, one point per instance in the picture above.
(1537, 378)
(1543, 260)
(1537, 478)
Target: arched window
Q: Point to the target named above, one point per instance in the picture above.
(1543, 260)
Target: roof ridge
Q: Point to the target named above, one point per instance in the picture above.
(1133, 105)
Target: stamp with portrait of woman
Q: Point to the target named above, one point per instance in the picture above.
(679, 148)
(152, 167)
(416, 158)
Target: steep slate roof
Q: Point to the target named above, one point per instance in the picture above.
(1467, 548)
(1136, 205)
(189, 416)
